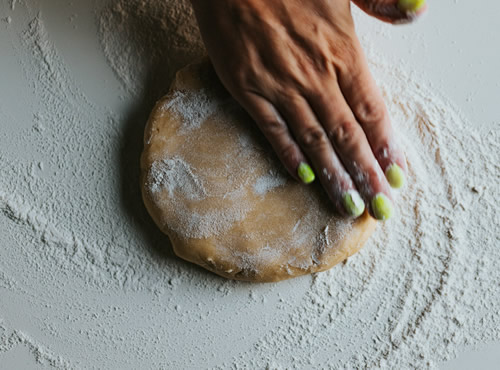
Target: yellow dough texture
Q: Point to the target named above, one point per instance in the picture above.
(212, 183)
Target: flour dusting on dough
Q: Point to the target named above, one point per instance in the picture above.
(175, 175)
(193, 106)
(269, 181)
(248, 205)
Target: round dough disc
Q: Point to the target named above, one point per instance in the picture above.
(212, 183)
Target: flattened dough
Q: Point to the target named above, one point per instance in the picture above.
(213, 184)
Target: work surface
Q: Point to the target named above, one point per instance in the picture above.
(87, 281)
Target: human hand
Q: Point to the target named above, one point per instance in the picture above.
(298, 69)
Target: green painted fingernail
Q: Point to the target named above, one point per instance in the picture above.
(306, 173)
(395, 176)
(353, 203)
(411, 5)
(382, 207)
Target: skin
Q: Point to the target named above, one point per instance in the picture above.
(298, 69)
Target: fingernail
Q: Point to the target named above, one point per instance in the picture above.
(306, 173)
(411, 6)
(395, 176)
(353, 203)
(382, 207)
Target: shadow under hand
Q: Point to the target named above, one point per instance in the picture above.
(146, 42)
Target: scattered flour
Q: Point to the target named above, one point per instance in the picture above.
(193, 107)
(11, 339)
(162, 38)
(272, 180)
(90, 274)
(175, 175)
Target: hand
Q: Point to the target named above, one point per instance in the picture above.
(298, 69)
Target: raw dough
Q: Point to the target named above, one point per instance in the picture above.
(213, 185)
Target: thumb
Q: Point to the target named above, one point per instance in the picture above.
(393, 11)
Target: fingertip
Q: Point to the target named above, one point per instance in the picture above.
(382, 207)
(412, 6)
(353, 203)
(395, 12)
(411, 12)
(392, 161)
(305, 173)
(395, 176)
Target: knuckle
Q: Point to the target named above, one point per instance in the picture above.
(336, 183)
(371, 111)
(347, 58)
(370, 179)
(383, 150)
(291, 96)
(313, 137)
(372, 173)
(245, 79)
(272, 126)
(344, 133)
(287, 153)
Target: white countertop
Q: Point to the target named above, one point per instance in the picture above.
(456, 47)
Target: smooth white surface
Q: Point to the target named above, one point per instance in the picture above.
(455, 46)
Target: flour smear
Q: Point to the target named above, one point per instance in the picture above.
(87, 281)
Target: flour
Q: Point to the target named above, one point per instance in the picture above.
(193, 108)
(88, 273)
(175, 175)
(202, 225)
(162, 37)
(9, 340)
(269, 181)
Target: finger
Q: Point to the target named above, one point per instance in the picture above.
(367, 104)
(353, 149)
(315, 144)
(276, 132)
(393, 11)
